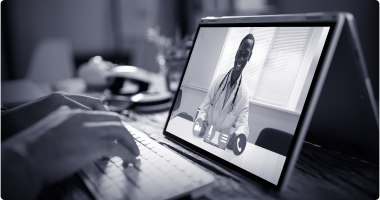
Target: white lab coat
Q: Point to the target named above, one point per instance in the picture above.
(221, 117)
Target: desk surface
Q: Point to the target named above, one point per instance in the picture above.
(257, 160)
(319, 174)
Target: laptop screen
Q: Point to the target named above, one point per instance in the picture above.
(243, 93)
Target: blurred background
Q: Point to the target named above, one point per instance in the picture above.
(117, 29)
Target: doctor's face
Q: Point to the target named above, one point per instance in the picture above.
(243, 55)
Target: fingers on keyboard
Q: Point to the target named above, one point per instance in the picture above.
(157, 173)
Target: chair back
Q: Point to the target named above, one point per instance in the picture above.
(274, 140)
(186, 116)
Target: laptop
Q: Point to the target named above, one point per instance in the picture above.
(254, 129)
(346, 118)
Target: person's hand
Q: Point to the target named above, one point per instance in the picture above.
(58, 146)
(64, 141)
(21, 117)
(232, 141)
(203, 130)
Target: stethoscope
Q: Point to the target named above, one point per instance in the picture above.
(213, 101)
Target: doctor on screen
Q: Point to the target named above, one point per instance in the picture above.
(227, 100)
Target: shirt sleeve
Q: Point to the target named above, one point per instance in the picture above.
(242, 119)
(204, 107)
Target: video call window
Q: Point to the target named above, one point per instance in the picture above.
(278, 56)
(275, 66)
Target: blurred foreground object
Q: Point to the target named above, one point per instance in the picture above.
(134, 88)
(17, 92)
(171, 57)
(51, 60)
(95, 72)
(128, 80)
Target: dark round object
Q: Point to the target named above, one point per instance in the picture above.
(239, 144)
(224, 138)
(197, 127)
(210, 133)
(152, 102)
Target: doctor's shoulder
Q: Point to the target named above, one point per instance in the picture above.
(245, 91)
(220, 78)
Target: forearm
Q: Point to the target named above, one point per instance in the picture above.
(19, 118)
(19, 178)
(241, 123)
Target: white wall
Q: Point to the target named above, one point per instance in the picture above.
(313, 62)
(306, 72)
(204, 60)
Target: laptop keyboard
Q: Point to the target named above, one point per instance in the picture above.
(158, 174)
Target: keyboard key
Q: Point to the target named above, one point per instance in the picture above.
(145, 150)
(160, 163)
(168, 168)
(174, 162)
(147, 168)
(161, 153)
(139, 161)
(94, 174)
(111, 168)
(167, 157)
(174, 173)
(105, 182)
(155, 159)
(119, 178)
(113, 193)
(132, 173)
(189, 172)
(144, 181)
(144, 142)
(115, 173)
(141, 147)
(150, 145)
(155, 149)
(157, 175)
(136, 194)
(149, 155)
(181, 166)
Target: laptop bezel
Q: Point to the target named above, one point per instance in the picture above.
(325, 130)
(335, 21)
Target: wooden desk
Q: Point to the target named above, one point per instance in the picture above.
(319, 174)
